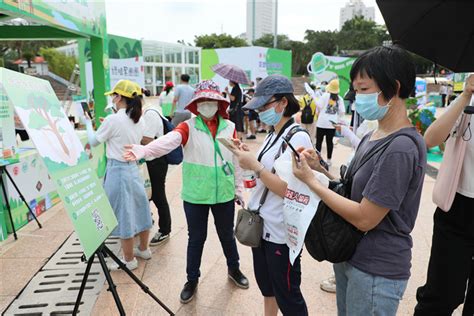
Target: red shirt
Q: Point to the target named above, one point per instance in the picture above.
(212, 124)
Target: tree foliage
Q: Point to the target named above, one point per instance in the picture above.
(59, 63)
(218, 41)
(361, 34)
(325, 42)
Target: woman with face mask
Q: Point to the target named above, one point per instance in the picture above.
(210, 179)
(122, 182)
(386, 189)
(279, 282)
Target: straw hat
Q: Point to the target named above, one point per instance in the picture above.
(333, 87)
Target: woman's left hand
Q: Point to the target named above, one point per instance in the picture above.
(301, 170)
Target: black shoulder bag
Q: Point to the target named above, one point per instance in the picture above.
(329, 236)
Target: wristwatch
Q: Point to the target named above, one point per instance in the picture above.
(257, 173)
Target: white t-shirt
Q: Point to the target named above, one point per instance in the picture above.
(272, 209)
(153, 124)
(466, 181)
(119, 130)
(164, 99)
(443, 90)
(329, 113)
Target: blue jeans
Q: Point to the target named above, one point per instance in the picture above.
(359, 293)
(197, 217)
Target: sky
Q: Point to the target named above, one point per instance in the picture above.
(173, 20)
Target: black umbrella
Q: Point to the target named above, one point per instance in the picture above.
(439, 30)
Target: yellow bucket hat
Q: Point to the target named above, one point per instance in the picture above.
(126, 88)
(333, 87)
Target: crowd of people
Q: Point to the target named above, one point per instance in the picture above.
(384, 195)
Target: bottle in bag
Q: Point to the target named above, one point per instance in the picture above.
(250, 180)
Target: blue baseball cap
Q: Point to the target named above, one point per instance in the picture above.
(268, 87)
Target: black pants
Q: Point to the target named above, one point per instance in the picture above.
(276, 277)
(451, 262)
(329, 133)
(158, 168)
(197, 217)
(443, 100)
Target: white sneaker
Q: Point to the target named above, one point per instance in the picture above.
(144, 254)
(329, 285)
(131, 265)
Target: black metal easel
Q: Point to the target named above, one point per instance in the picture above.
(101, 253)
(4, 170)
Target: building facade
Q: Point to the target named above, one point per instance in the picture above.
(167, 62)
(261, 15)
(356, 8)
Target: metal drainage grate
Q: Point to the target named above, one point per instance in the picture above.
(51, 305)
(64, 283)
(70, 254)
(53, 290)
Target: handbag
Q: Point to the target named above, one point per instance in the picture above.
(330, 237)
(450, 170)
(249, 223)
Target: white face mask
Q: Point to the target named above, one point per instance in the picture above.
(207, 108)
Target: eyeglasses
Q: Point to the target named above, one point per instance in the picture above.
(264, 107)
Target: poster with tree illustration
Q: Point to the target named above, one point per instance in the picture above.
(51, 130)
(67, 162)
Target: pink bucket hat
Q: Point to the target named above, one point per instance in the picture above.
(208, 90)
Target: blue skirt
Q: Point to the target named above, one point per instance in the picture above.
(124, 188)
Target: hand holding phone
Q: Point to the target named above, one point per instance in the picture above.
(323, 163)
(297, 155)
(228, 143)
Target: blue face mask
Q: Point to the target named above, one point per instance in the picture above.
(270, 117)
(368, 107)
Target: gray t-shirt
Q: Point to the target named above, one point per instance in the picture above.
(184, 93)
(392, 179)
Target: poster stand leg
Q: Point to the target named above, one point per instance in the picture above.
(5, 171)
(101, 253)
(7, 203)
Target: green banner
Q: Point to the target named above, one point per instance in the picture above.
(80, 16)
(327, 68)
(63, 154)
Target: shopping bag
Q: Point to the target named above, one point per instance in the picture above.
(143, 171)
(299, 206)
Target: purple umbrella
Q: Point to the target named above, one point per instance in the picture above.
(232, 73)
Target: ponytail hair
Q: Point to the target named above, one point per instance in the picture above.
(167, 89)
(334, 97)
(134, 107)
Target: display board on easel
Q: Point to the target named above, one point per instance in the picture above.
(68, 164)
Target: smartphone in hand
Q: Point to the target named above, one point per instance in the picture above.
(227, 142)
(323, 163)
(297, 155)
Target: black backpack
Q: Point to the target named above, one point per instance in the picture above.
(175, 157)
(307, 116)
(329, 236)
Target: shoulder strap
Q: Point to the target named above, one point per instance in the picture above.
(288, 136)
(361, 160)
(163, 119)
(268, 145)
